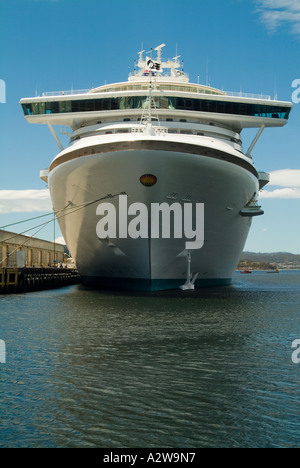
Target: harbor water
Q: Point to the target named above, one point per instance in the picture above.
(209, 368)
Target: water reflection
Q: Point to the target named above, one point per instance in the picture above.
(97, 369)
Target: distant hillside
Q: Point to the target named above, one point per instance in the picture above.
(275, 259)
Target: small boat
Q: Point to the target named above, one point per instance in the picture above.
(246, 272)
(273, 271)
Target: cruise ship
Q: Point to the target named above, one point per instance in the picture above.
(154, 190)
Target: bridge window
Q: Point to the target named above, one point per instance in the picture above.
(171, 102)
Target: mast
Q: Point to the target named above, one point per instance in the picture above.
(158, 50)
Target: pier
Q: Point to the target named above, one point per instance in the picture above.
(31, 264)
(21, 280)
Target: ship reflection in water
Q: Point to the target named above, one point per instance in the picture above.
(209, 368)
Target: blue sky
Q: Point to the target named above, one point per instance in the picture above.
(50, 45)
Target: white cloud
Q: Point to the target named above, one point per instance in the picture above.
(287, 178)
(292, 5)
(281, 193)
(25, 201)
(275, 13)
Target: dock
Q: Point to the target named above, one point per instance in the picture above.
(21, 280)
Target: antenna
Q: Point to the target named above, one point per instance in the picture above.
(141, 55)
(207, 72)
(160, 47)
(150, 52)
(275, 91)
(158, 50)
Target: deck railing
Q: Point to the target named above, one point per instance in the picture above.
(224, 93)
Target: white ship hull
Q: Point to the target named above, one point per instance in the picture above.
(160, 141)
(153, 264)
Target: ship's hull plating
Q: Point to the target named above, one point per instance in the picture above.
(153, 264)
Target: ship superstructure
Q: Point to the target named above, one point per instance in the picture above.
(155, 141)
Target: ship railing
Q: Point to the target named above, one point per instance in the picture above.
(179, 75)
(228, 93)
(65, 93)
(247, 95)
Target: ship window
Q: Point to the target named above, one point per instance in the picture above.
(228, 107)
(27, 109)
(180, 103)
(35, 108)
(205, 106)
(41, 108)
(77, 106)
(242, 109)
(171, 102)
(51, 107)
(65, 106)
(213, 106)
(163, 103)
(114, 103)
(221, 107)
(188, 104)
(88, 105)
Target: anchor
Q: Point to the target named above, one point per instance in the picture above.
(190, 277)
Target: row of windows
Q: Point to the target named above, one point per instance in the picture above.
(33, 256)
(163, 87)
(141, 102)
(170, 130)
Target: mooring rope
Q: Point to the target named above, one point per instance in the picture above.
(57, 215)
